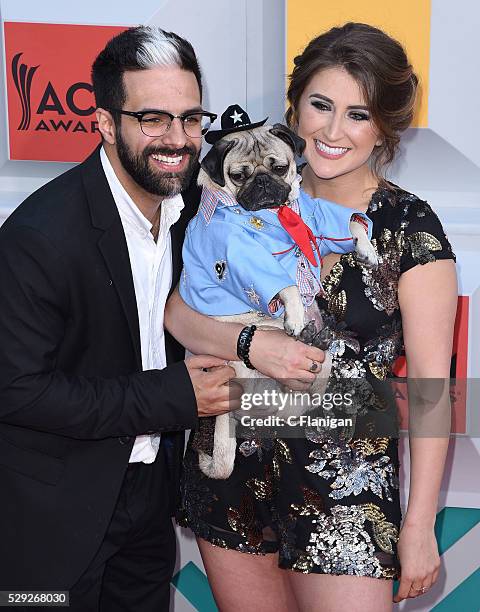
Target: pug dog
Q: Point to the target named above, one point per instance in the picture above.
(242, 264)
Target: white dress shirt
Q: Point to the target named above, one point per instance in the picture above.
(151, 264)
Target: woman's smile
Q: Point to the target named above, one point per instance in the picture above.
(330, 152)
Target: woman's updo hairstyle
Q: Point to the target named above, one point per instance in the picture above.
(381, 68)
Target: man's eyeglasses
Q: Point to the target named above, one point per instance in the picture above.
(156, 123)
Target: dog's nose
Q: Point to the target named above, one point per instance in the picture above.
(262, 180)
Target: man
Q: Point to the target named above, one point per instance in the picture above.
(91, 417)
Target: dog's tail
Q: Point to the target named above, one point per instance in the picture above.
(220, 464)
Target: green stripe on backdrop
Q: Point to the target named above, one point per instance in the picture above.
(465, 598)
(193, 585)
(452, 524)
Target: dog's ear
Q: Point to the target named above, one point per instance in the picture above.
(213, 161)
(286, 134)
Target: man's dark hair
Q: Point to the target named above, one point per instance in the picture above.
(138, 48)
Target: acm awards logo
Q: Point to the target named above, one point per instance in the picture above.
(50, 102)
(49, 94)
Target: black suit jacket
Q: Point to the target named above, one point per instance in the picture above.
(72, 393)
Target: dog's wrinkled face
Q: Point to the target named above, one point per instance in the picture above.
(257, 167)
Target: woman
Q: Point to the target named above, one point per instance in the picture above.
(328, 511)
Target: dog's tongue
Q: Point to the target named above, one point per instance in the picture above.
(302, 235)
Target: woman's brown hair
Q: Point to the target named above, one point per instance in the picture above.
(380, 66)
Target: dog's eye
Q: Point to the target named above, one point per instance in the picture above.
(280, 170)
(236, 176)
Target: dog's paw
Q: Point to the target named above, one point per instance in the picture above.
(308, 333)
(293, 326)
(366, 255)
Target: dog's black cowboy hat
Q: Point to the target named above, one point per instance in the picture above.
(234, 119)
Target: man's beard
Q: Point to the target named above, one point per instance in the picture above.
(165, 184)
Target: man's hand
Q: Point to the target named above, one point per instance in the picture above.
(289, 361)
(215, 391)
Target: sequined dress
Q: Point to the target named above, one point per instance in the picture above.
(328, 504)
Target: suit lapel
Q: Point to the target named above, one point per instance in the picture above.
(114, 249)
(112, 243)
(177, 241)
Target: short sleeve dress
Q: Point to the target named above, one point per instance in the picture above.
(328, 504)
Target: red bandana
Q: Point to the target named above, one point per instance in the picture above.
(300, 232)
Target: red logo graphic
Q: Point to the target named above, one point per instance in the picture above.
(51, 106)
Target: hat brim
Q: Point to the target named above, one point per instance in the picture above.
(214, 135)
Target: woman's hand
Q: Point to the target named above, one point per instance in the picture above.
(292, 363)
(419, 560)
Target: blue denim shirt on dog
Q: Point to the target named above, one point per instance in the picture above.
(236, 261)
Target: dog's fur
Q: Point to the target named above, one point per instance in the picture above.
(257, 167)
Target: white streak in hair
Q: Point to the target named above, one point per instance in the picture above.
(158, 49)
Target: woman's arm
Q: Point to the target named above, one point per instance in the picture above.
(199, 333)
(273, 353)
(428, 301)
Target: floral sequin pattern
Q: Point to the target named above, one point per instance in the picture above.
(335, 336)
(243, 521)
(337, 300)
(380, 352)
(281, 454)
(348, 368)
(422, 246)
(255, 445)
(276, 448)
(354, 540)
(352, 469)
(381, 284)
(341, 543)
(313, 505)
(380, 198)
(262, 489)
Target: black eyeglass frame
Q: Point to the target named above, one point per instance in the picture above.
(139, 115)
